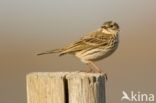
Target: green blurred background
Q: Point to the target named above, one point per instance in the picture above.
(28, 27)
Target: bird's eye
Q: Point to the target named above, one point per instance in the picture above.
(111, 26)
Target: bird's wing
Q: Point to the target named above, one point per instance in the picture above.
(85, 43)
(97, 38)
(73, 47)
(91, 40)
(95, 42)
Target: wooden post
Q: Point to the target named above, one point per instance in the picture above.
(65, 87)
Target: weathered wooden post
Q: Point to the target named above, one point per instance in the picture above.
(65, 87)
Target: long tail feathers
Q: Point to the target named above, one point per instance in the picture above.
(50, 52)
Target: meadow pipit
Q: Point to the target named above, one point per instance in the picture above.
(93, 46)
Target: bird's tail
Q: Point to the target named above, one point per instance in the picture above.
(51, 51)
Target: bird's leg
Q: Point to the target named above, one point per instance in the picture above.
(98, 70)
(90, 68)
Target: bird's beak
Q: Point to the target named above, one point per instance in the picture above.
(103, 27)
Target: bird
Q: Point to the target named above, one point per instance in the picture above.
(93, 46)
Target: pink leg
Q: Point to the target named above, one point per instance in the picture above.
(98, 70)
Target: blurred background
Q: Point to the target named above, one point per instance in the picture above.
(28, 27)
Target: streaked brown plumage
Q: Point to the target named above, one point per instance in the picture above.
(93, 46)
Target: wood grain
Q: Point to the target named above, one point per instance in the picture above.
(65, 87)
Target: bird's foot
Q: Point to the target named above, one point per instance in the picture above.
(100, 71)
(87, 70)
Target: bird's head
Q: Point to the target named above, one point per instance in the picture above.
(110, 27)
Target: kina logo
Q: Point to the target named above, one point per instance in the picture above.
(137, 97)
